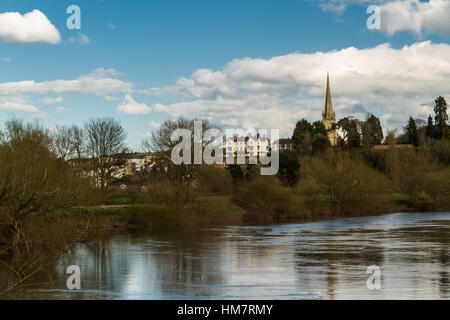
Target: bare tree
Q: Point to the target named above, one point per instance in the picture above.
(105, 146)
(32, 180)
(161, 144)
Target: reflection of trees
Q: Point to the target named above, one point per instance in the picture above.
(188, 263)
(173, 262)
(324, 258)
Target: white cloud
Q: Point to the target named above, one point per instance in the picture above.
(111, 26)
(130, 106)
(110, 98)
(6, 59)
(339, 6)
(99, 82)
(61, 109)
(274, 93)
(33, 27)
(49, 100)
(16, 104)
(415, 16)
(80, 39)
(419, 17)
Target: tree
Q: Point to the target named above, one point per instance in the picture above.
(301, 129)
(352, 135)
(32, 179)
(160, 141)
(441, 116)
(105, 145)
(372, 133)
(304, 134)
(319, 128)
(431, 129)
(391, 137)
(412, 133)
(236, 173)
(319, 143)
(161, 144)
(67, 142)
(288, 172)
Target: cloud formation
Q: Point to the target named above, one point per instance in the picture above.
(49, 100)
(80, 39)
(417, 17)
(339, 6)
(99, 82)
(16, 104)
(32, 27)
(130, 106)
(276, 92)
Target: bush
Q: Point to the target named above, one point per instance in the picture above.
(214, 181)
(171, 193)
(351, 186)
(263, 197)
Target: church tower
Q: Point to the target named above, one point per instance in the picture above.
(329, 117)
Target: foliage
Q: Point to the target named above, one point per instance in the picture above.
(372, 133)
(263, 197)
(351, 130)
(412, 133)
(441, 116)
(32, 180)
(319, 143)
(289, 168)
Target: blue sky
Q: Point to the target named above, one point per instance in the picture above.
(152, 44)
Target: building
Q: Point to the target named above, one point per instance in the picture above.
(329, 117)
(133, 163)
(250, 146)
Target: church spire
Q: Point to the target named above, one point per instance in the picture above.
(328, 114)
(329, 117)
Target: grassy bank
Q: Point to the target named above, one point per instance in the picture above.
(221, 210)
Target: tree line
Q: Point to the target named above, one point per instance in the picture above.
(311, 138)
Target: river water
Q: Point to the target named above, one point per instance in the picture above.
(317, 260)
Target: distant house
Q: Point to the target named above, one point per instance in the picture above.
(250, 146)
(284, 145)
(135, 162)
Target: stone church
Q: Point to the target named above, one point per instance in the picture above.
(329, 117)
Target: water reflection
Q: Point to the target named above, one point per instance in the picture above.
(320, 260)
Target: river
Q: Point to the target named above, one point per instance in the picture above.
(315, 260)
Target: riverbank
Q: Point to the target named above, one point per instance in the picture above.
(217, 210)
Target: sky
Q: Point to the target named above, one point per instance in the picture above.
(240, 64)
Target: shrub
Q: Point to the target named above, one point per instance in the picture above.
(214, 181)
(263, 197)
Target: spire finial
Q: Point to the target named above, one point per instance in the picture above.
(328, 114)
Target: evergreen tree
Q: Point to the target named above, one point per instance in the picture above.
(411, 131)
(352, 134)
(430, 130)
(441, 116)
(318, 128)
(301, 128)
(372, 133)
